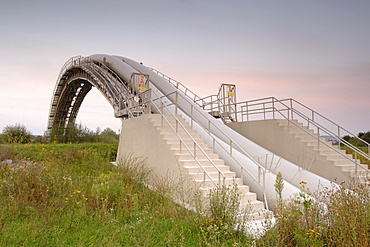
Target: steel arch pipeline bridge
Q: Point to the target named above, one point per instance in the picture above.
(211, 140)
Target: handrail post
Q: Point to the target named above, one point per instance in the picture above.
(177, 102)
(313, 116)
(247, 111)
(195, 150)
(339, 139)
(356, 162)
(291, 108)
(191, 116)
(318, 138)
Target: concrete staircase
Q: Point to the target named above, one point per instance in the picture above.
(206, 169)
(325, 152)
(299, 145)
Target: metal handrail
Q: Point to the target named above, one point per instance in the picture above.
(190, 94)
(244, 106)
(339, 128)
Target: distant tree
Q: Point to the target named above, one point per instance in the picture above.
(346, 138)
(108, 136)
(2, 139)
(79, 133)
(356, 141)
(364, 136)
(16, 134)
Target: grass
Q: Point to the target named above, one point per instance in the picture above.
(333, 217)
(71, 195)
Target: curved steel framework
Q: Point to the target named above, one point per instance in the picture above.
(76, 78)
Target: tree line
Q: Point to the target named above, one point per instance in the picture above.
(78, 133)
(355, 141)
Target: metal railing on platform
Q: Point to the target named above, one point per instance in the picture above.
(290, 109)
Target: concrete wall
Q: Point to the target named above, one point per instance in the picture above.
(140, 138)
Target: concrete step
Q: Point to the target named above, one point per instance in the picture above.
(363, 179)
(258, 215)
(335, 156)
(341, 161)
(352, 167)
(251, 206)
(189, 144)
(310, 140)
(249, 197)
(213, 175)
(188, 141)
(359, 173)
(166, 122)
(182, 135)
(243, 189)
(199, 155)
(204, 162)
(248, 200)
(331, 151)
(193, 150)
(168, 116)
(284, 122)
(172, 129)
(208, 168)
(209, 183)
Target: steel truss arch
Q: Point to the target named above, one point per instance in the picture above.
(76, 78)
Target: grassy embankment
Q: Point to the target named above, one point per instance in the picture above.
(70, 195)
(74, 196)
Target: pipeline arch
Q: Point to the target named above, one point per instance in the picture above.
(119, 80)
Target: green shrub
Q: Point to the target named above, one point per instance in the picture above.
(16, 134)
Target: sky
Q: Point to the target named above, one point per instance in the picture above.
(316, 52)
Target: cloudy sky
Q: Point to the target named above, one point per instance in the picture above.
(317, 52)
